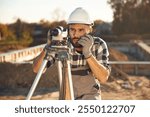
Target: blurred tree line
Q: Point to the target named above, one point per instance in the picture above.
(17, 33)
(30, 34)
(131, 16)
(23, 33)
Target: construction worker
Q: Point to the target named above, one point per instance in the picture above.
(89, 64)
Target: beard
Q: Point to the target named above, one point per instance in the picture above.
(75, 44)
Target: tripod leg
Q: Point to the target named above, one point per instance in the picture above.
(66, 87)
(60, 72)
(36, 80)
(61, 86)
(70, 84)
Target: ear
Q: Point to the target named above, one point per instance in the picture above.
(90, 29)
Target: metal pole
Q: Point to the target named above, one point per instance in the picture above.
(70, 80)
(32, 89)
(59, 66)
(61, 80)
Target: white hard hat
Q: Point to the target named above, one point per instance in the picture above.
(79, 16)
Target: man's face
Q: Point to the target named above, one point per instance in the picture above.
(76, 31)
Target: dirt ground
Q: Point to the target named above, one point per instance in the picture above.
(16, 81)
(15, 85)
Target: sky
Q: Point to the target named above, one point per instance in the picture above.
(50, 10)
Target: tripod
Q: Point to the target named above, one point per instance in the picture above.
(64, 71)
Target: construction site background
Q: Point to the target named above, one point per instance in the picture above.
(123, 83)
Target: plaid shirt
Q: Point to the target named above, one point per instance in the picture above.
(99, 50)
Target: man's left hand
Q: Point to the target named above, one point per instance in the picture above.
(87, 42)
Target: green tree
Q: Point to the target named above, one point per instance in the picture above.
(26, 39)
(22, 32)
(131, 16)
(5, 33)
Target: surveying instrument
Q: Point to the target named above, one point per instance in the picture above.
(60, 45)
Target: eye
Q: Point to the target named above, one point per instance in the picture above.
(72, 29)
(81, 30)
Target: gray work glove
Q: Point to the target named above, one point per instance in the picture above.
(87, 42)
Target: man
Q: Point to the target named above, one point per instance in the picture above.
(89, 63)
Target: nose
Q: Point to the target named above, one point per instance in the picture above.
(76, 34)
